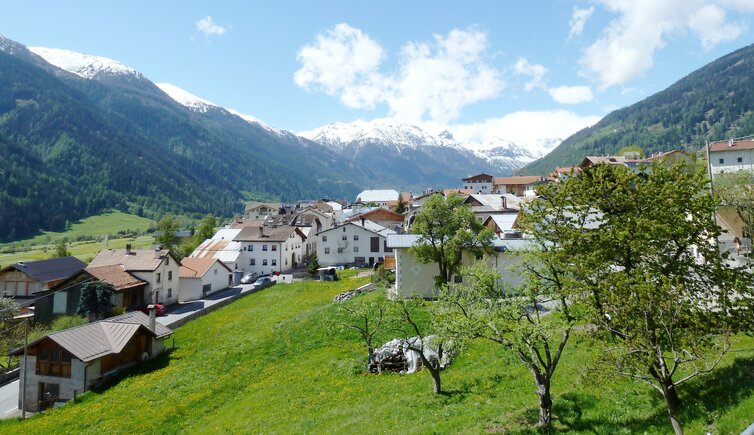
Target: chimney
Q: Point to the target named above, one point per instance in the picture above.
(362, 221)
(128, 249)
(504, 201)
(730, 142)
(152, 313)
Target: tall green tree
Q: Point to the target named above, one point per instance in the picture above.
(401, 207)
(663, 298)
(166, 229)
(205, 229)
(448, 229)
(61, 249)
(95, 301)
(311, 269)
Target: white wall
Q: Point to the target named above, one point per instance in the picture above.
(167, 288)
(350, 248)
(282, 256)
(730, 160)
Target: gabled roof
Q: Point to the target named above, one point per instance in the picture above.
(396, 216)
(225, 250)
(264, 234)
(116, 276)
(105, 337)
(495, 202)
(133, 260)
(50, 270)
(198, 267)
(253, 205)
(504, 221)
(727, 145)
(479, 177)
(409, 240)
(367, 225)
(377, 195)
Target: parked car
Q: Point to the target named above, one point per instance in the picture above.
(248, 278)
(159, 309)
(263, 282)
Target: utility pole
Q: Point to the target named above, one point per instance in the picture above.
(23, 368)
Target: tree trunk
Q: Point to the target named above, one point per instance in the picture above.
(673, 403)
(545, 403)
(435, 379)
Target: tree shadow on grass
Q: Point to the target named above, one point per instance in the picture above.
(703, 398)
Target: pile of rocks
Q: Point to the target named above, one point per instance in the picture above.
(389, 358)
(340, 297)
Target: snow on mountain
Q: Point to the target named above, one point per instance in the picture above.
(382, 131)
(83, 65)
(186, 98)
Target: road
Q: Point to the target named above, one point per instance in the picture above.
(9, 400)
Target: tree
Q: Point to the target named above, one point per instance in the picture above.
(206, 229)
(448, 229)
(367, 319)
(166, 229)
(311, 269)
(95, 300)
(61, 250)
(401, 207)
(736, 191)
(8, 309)
(421, 341)
(663, 298)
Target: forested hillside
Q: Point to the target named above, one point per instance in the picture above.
(713, 103)
(73, 147)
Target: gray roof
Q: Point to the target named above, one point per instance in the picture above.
(367, 225)
(95, 340)
(53, 269)
(408, 240)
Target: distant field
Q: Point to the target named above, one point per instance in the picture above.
(40, 246)
(273, 363)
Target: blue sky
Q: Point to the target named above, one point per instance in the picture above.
(504, 68)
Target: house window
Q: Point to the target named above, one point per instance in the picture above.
(274, 247)
(264, 262)
(274, 262)
(215, 272)
(740, 160)
(170, 275)
(54, 362)
(264, 247)
(251, 247)
(340, 250)
(355, 237)
(355, 249)
(324, 238)
(722, 161)
(170, 292)
(385, 248)
(167, 260)
(344, 237)
(374, 244)
(327, 250)
(158, 277)
(253, 262)
(458, 279)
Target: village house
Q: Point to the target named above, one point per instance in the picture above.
(24, 280)
(200, 277)
(731, 156)
(413, 278)
(379, 198)
(361, 241)
(383, 217)
(504, 225)
(157, 267)
(266, 249)
(562, 173)
(66, 363)
(260, 210)
(63, 298)
(481, 183)
(222, 247)
(523, 185)
(484, 205)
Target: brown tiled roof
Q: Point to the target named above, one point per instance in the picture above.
(197, 267)
(116, 276)
(567, 169)
(517, 180)
(137, 259)
(258, 234)
(745, 144)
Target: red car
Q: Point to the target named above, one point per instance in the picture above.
(159, 309)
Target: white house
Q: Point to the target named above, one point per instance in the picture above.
(267, 249)
(201, 277)
(260, 210)
(381, 198)
(158, 268)
(222, 247)
(732, 155)
(481, 183)
(415, 278)
(360, 241)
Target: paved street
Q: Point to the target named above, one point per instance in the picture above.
(177, 312)
(9, 400)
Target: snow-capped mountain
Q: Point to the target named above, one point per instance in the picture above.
(382, 131)
(350, 138)
(186, 98)
(84, 65)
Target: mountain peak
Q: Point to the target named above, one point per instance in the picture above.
(84, 65)
(185, 98)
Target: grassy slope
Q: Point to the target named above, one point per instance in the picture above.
(40, 247)
(271, 363)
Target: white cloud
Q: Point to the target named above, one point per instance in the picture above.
(578, 20)
(435, 80)
(535, 71)
(571, 94)
(208, 27)
(625, 50)
(526, 128)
